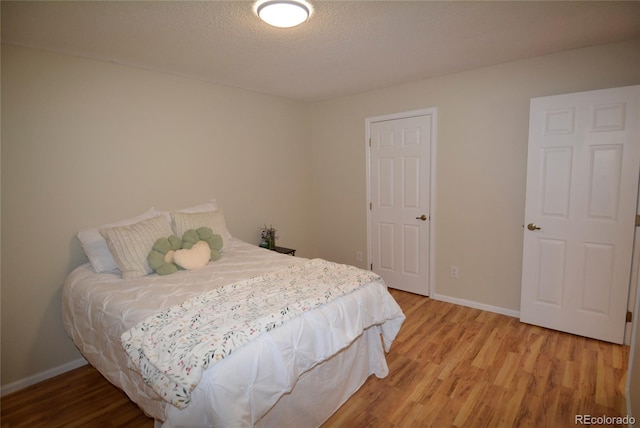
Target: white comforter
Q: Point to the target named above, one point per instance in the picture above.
(98, 308)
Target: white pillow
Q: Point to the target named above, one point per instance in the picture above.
(130, 245)
(95, 247)
(211, 205)
(183, 221)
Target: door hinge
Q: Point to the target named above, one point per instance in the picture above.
(371, 266)
(629, 316)
(637, 220)
(369, 142)
(370, 206)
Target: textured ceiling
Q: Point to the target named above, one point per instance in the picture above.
(346, 47)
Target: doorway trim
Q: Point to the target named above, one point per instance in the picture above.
(433, 112)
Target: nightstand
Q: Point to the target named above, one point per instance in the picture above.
(283, 250)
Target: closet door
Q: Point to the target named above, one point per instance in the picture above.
(582, 187)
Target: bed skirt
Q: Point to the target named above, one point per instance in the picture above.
(320, 391)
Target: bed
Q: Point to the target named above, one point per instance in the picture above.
(296, 372)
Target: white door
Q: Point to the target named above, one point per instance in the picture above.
(582, 178)
(399, 168)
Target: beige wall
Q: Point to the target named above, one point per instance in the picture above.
(481, 162)
(87, 142)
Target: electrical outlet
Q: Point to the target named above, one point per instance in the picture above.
(358, 256)
(453, 272)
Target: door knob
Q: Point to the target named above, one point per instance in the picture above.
(532, 226)
(422, 217)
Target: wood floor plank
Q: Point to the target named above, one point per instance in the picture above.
(450, 366)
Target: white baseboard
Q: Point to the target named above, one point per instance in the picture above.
(476, 305)
(39, 377)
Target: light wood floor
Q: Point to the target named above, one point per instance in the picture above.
(457, 366)
(450, 366)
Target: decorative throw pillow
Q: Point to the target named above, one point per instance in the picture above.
(95, 247)
(212, 219)
(130, 245)
(160, 257)
(194, 257)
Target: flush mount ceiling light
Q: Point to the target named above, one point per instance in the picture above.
(283, 13)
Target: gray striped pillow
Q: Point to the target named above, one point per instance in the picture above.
(130, 245)
(213, 219)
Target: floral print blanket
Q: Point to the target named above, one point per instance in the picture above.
(173, 348)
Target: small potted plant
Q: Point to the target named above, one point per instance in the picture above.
(268, 237)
